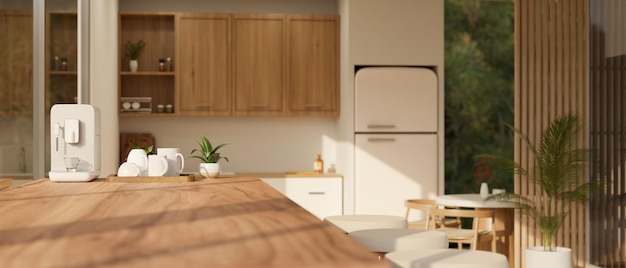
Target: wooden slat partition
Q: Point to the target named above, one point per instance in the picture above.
(550, 80)
(608, 125)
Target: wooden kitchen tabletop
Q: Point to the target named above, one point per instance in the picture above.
(224, 222)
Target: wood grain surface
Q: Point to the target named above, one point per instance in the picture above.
(228, 222)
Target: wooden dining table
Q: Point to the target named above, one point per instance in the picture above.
(223, 222)
(504, 222)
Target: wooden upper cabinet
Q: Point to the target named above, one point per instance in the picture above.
(234, 64)
(258, 64)
(313, 60)
(203, 64)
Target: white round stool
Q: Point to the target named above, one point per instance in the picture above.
(351, 223)
(387, 240)
(446, 258)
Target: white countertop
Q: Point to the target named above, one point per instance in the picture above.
(470, 201)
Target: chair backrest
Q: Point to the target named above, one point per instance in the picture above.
(419, 204)
(480, 219)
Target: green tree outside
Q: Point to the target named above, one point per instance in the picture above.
(479, 66)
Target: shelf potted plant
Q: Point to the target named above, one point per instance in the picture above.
(558, 170)
(132, 51)
(210, 167)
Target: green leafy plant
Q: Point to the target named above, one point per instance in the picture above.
(559, 169)
(207, 153)
(149, 150)
(133, 48)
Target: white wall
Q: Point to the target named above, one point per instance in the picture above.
(103, 75)
(256, 144)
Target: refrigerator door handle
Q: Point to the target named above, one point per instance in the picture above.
(380, 126)
(380, 139)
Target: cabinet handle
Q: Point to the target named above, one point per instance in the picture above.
(381, 139)
(380, 126)
(316, 193)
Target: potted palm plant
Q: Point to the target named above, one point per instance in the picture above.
(132, 51)
(558, 170)
(210, 167)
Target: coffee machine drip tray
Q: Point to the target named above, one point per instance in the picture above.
(72, 176)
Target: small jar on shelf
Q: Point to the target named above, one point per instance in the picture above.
(56, 63)
(63, 64)
(168, 64)
(161, 65)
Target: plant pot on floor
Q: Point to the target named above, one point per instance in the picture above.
(133, 64)
(209, 170)
(537, 257)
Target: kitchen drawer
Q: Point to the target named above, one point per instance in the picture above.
(322, 197)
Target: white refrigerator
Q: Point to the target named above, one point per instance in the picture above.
(396, 151)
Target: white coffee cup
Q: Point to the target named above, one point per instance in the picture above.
(157, 165)
(175, 160)
(128, 170)
(139, 158)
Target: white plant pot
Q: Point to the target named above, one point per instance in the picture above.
(133, 64)
(210, 170)
(537, 257)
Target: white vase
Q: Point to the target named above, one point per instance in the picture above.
(133, 65)
(209, 170)
(484, 190)
(537, 257)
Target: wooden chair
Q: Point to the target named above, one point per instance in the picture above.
(471, 236)
(5, 183)
(424, 205)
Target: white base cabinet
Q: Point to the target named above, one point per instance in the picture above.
(322, 196)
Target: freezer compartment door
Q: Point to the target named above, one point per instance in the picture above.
(391, 168)
(395, 99)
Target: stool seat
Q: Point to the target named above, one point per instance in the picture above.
(387, 240)
(351, 223)
(446, 258)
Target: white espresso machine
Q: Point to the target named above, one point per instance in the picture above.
(75, 142)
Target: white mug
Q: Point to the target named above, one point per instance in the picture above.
(157, 165)
(128, 169)
(175, 160)
(139, 158)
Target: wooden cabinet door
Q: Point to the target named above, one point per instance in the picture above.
(313, 60)
(16, 72)
(203, 65)
(258, 64)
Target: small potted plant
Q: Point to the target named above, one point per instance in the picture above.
(210, 167)
(558, 170)
(132, 51)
